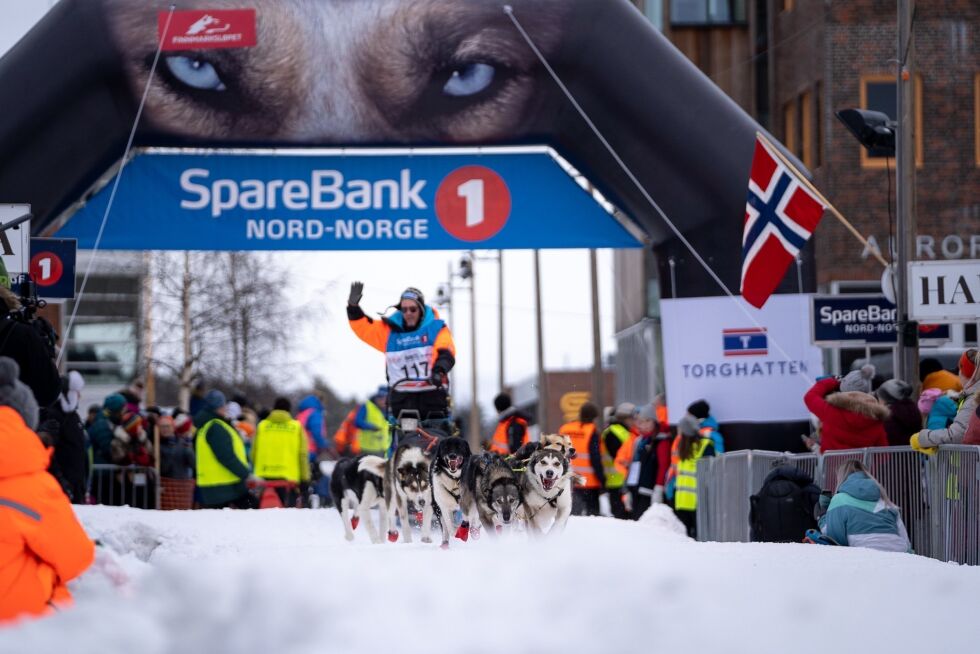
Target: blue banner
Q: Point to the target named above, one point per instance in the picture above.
(264, 200)
(861, 320)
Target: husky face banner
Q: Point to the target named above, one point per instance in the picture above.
(371, 73)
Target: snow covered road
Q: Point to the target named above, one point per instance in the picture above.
(285, 581)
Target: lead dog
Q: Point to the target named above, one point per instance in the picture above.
(490, 494)
(406, 484)
(445, 476)
(546, 492)
(558, 442)
(357, 487)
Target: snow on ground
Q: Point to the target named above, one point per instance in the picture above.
(285, 581)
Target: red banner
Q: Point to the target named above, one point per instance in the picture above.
(202, 29)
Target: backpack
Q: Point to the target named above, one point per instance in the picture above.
(782, 511)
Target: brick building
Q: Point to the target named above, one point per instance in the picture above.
(792, 64)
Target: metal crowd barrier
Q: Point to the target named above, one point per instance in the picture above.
(939, 496)
(134, 486)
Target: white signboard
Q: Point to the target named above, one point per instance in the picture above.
(15, 243)
(944, 291)
(748, 369)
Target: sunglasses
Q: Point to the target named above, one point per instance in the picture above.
(410, 309)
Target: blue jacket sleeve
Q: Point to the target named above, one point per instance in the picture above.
(360, 420)
(833, 524)
(315, 426)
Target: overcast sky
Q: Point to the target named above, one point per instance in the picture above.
(322, 279)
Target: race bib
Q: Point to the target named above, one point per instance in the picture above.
(413, 364)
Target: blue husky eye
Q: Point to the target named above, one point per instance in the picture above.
(469, 79)
(195, 73)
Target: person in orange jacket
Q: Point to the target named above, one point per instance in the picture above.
(418, 348)
(42, 544)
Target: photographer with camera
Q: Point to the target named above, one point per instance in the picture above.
(30, 341)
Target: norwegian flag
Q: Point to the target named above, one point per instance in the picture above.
(780, 215)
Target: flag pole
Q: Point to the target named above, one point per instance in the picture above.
(803, 180)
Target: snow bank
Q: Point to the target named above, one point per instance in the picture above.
(266, 582)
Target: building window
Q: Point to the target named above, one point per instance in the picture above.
(806, 125)
(654, 11)
(687, 13)
(787, 5)
(790, 127)
(878, 93)
(818, 125)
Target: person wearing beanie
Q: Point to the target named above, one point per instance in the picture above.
(34, 356)
(587, 462)
(966, 401)
(651, 461)
(511, 432)
(615, 437)
(221, 461)
(280, 452)
(130, 444)
(682, 483)
(42, 544)
(100, 433)
(418, 348)
(708, 425)
(904, 418)
(176, 454)
(850, 416)
(933, 375)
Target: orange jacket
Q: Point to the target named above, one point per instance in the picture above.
(42, 545)
(501, 439)
(345, 438)
(624, 455)
(581, 434)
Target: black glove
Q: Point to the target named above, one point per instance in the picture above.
(356, 290)
(437, 377)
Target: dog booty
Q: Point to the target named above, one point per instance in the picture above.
(354, 522)
(475, 532)
(463, 532)
(392, 536)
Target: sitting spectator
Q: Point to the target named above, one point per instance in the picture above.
(860, 513)
(849, 414)
(904, 418)
(176, 453)
(42, 545)
(969, 375)
(709, 426)
(933, 375)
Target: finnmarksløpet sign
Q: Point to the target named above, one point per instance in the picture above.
(944, 291)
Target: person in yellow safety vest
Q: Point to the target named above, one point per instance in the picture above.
(618, 436)
(682, 479)
(587, 462)
(373, 431)
(222, 466)
(280, 451)
(511, 431)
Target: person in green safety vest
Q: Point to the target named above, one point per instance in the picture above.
(617, 435)
(280, 451)
(682, 479)
(371, 421)
(222, 467)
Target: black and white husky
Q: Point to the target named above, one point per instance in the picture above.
(357, 486)
(407, 488)
(490, 494)
(445, 475)
(546, 492)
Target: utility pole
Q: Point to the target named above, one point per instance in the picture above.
(500, 316)
(149, 384)
(598, 392)
(474, 410)
(542, 387)
(908, 339)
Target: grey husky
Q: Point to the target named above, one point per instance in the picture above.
(490, 494)
(407, 486)
(546, 492)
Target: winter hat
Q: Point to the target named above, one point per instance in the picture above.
(215, 400)
(72, 385)
(502, 402)
(132, 423)
(968, 364)
(688, 425)
(699, 409)
(182, 425)
(625, 410)
(415, 295)
(381, 392)
(15, 393)
(858, 380)
(647, 412)
(114, 403)
(894, 390)
(233, 410)
(927, 399)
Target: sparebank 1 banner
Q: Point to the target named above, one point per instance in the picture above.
(748, 370)
(370, 73)
(398, 201)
